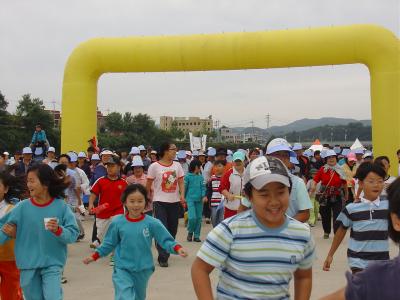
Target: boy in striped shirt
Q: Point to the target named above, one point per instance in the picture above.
(213, 194)
(260, 250)
(367, 220)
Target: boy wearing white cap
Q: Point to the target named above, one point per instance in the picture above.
(234, 245)
(23, 166)
(143, 155)
(300, 203)
(51, 158)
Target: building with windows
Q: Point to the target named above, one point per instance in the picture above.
(57, 118)
(190, 124)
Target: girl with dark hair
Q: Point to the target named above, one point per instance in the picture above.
(9, 274)
(131, 235)
(385, 163)
(195, 196)
(42, 227)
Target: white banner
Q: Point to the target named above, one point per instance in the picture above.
(197, 143)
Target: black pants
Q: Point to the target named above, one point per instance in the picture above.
(207, 210)
(326, 211)
(168, 214)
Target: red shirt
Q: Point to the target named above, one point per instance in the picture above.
(109, 191)
(325, 177)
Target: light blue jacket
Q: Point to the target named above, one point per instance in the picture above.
(132, 241)
(35, 246)
(195, 188)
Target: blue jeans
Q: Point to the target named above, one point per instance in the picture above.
(216, 215)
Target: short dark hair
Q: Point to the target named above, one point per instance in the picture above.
(193, 164)
(398, 152)
(91, 149)
(164, 147)
(380, 158)
(132, 188)
(393, 194)
(368, 167)
(66, 156)
(220, 162)
(48, 177)
(317, 152)
(16, 186)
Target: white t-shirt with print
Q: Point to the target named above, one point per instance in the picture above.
(165, 182)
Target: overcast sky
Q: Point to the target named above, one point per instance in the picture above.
(38, 36)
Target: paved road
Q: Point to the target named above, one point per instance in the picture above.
(94, 281)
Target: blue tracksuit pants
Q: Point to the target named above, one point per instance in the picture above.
(130, 285)
(42, 283)
(195, 213)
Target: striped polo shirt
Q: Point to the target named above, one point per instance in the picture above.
(216, 196)
(368, 223)
(257, 262)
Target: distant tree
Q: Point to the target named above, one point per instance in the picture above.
(31, 111)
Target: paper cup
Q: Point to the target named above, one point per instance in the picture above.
(47, 220)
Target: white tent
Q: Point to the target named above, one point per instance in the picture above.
(357, 145)
(316, 146)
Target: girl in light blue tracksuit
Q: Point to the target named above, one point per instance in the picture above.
(131, 236)
(42, 227)
(195, 195)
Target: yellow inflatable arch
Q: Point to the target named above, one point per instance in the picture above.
(374, 46)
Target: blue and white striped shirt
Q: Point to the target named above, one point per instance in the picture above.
(257, 262)
(368, 221)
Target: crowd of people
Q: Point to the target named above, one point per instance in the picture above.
(262, 204)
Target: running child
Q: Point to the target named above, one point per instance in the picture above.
(367, 220)
(260, 250)
(42, 226)
(213, 194)
(195, 195)
(131, 236)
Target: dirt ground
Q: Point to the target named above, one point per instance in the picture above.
(94, 281)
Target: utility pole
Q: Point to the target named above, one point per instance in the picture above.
(252, 131)
(268, 118)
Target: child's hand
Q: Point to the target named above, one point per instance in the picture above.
(205, 199)
(10, 230)
(182, 252)
(327, 263)
(52, 225)
(88, 260)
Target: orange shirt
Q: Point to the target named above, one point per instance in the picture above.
(7, 249)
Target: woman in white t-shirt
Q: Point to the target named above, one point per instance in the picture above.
(385, 162)
(166, 177)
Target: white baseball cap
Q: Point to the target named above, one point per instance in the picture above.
(330, 152)
(280, 144)
(181, 154)
(81, 154)
(189, 153)
(297, 146)
(95, 156)
(211, 151)
(137, 161)
(73, 156)
(264, 170)
(6, 153)
(141, 148)
(134, 150)
(27, 150)
(153, 152)
(106, 152)
(51, 149)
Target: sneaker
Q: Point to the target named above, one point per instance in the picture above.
(64, 280)
(189, 237)
(112, 260)
(197, 240)
(326, 236)
(94, 245)
(80, 237)
(163, 264)
(208, 221)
